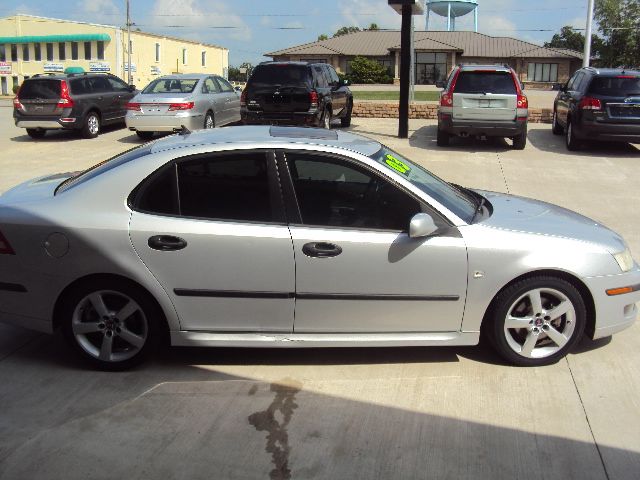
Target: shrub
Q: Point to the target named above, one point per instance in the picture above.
(364, 70)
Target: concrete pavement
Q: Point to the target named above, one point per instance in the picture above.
(421, 413)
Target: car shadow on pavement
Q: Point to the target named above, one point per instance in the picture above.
(425, 137)
(64, 135)
(546, 141)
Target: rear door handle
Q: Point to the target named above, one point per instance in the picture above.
(167, 243)
(321, 249)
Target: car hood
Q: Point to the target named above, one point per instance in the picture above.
(526, 215)
(35, 189)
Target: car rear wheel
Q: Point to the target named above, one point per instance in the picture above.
(144, 135)
(209, 121)
(442, 139)
(346, 121)
(520, 141)
(36, 132)
(111, 325)
(91, 126)
(555, 126)
(536, 321)
(572, 142)
(326, 118)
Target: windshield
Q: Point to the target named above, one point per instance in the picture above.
(280, 74)
(622, 85)
(171, 85)
(461, 204)
(105, 166)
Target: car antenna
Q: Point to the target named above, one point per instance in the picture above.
(184, 130)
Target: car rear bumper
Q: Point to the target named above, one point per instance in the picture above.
(481, 127)
(614, 132)
(163, 123)
(280, 118)
(46, 123)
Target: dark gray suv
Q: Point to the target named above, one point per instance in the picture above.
(75, 101)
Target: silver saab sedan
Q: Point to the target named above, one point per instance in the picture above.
(293, 237)
(193, 100)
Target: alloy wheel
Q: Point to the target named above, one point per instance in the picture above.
(93, 125)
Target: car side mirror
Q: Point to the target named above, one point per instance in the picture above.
(345, 82)
(440, 84)
(422, 225)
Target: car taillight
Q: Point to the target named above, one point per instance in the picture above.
(313, 98)
(181, 106)
(446, 100)
(16, 103)
(65, 100)
(590, 103)
(5, 248)
(243, 98)
(523, 102)
(135, 107)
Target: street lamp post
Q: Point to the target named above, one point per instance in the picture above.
(129, 76)
(587, 35)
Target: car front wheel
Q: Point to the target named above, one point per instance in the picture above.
(555, 126)
(326, 119)
(209, 121)
(536, 321)
(346, 120)
(111, 325)
(572, 142)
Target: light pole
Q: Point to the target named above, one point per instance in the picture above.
(587, 35)
(129, 77)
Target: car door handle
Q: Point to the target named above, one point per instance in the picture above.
(321, 249)
(167, 243)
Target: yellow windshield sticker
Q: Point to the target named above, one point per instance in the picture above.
(397, 165)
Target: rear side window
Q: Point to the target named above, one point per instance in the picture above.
(169, 85)
(281, 74)
(321, 79)
(485, 82)
(80, 86)
(45, 89)
(620, 86)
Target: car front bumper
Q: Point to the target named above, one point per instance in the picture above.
(487, 128)
(163, 123)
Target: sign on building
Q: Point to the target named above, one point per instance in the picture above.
(133, 67)
(5, 68)
(155, 70)
(99, 67)
(53, 67)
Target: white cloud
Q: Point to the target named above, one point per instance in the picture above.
(498, 26)
(362, 13)
(265, 21)
(198, 19)
(97, 7)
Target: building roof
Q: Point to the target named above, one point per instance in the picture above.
(470, 44)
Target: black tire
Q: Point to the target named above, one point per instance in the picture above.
(144, 135)
(346, 120)
(209, 121)
(91, 125)
(131, 338)
(325, 120)
(514, 301)
(442, 139)
(36, 132)
(520, 141)
(571, 141)
(556, 128)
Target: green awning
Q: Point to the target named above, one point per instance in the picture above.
(78, 37)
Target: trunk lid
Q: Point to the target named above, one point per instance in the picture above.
(279, 87)
(35, 189)
(158, 103)
(485, 95)
(40, 97)
(619, 96)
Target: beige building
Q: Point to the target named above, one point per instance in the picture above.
(34, 45)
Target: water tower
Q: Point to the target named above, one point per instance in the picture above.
(452, 9)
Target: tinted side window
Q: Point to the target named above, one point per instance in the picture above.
(159, 194)
(229, 186)
(210, 86)
(335, 193)
(319, 78)
(100, 84)
(118, 85)
(333, 75)
(577, 81)
(224, 85)
(572, 80)
(80, 86)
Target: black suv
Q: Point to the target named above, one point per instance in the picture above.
(296, 93)
(598, 104)
(75, 101)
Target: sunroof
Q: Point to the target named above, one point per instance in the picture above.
(300, 132)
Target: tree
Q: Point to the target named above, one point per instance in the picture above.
(364, 70)
(573, 40)
(235, 75)
(323, 37)
(346, 31)
(373, 26)
(619, 24)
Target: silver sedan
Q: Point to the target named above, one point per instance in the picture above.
(292, 237)
(192, 100)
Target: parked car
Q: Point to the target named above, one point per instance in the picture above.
(483, 101)
(75, 101)
(193, 100)
(300, 237)
(296, 93)
(598, 104)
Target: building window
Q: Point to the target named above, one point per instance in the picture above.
(15, 82)
(157, 52)
(25, 52)
(204, 58)
(543, 72)
(37, 52)
(74, 50)
(49, 52)
(100, 48)
(87, 50)
(430, 67)
(184, 56)
(130, 46)
(3, 53)
(62, 51)
(14, 52)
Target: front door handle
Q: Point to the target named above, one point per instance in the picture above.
(167, 243)
(321, 249)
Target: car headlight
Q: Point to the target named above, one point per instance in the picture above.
(624, 259)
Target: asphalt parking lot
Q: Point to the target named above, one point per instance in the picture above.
(405, 413)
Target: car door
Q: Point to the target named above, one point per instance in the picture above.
(211, 229)
(563, 103)
(105, 97)
(121, 95)
(231, 101)
(211, 92)
(338, 91)
(357, 270)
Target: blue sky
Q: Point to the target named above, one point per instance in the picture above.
(249, 28)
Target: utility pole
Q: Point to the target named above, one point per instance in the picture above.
(129, 76)
(587, 35)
